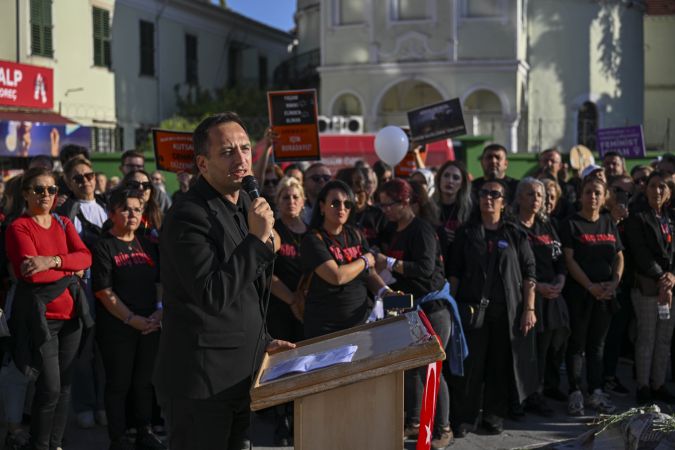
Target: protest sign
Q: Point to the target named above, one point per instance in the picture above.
(627, 141)
(438, 121)
(293, 117)
(173, 150)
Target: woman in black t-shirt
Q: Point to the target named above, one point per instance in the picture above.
(337, 256)
(368, 219)
(553, 318)
(413, 256)
(503, 345)
(125, 273)
(594, 257)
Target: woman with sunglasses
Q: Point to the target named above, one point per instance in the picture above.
(151, 222)
(128, 317)
(337, 256)
(649, 232)
(594, 256)
(49, 310)
(553, 324)
(502, 350)
(412, 254)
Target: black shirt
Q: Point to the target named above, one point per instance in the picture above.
(371, 222)
(492, 238)
(450, 223)
(595, 245)
(547, 250)
(328, 307)
(418, 247)
(287, 266)
(130, 269)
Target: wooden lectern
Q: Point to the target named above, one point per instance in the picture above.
(357, 403)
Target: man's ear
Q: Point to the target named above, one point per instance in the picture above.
(200, 162)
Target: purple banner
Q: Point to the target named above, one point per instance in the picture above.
(627, 141)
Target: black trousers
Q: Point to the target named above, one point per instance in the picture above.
(128, 359)
(551, 345)
(52, 388)
(589, 322)
(220, 422)
(487, 369)
(618, 331)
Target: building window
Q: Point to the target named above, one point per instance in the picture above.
(147, 38)
(191, 62)
(262, 72)
(41, 28)
(587, 125)
(106, 140)
(101, 37)
(234, 62)
(349, 12)
(410, 9)
(482, 8)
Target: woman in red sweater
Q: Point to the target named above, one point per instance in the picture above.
(46, 252)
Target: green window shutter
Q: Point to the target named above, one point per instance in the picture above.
(41, 27)
(101, 37)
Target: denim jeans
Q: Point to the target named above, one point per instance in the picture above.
(52, 388)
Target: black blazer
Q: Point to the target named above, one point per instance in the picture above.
(213, 280)
(647, 247)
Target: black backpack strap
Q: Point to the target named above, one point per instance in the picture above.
(59, 220)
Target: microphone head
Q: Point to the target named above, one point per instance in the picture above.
(250, 185)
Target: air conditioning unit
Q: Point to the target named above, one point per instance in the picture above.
(325, 124)
(352, 125)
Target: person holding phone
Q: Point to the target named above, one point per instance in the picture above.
(594, 256)
(412, 253)
(504, 344)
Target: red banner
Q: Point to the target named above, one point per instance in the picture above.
(22, 85)
(428, 411)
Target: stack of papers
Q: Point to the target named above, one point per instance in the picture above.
(303, 364)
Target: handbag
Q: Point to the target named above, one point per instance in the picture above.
(472, 314)
(647, 286)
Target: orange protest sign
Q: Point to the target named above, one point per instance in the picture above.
(173, 150)
(293, 117)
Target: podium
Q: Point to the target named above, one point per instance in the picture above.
(357, 404)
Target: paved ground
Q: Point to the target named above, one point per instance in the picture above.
(532, 431)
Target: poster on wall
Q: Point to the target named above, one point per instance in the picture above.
(173, 150)
(293, 118)
(26, 139)
(438, 121)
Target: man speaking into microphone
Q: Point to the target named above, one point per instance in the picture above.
(215, 252)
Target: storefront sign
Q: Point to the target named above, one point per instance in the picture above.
(22, 85)
(627, 141)
(173, 150)
(293, 117)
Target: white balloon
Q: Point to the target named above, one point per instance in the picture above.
(391, 144)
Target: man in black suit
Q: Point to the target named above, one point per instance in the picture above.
(215, 250)
(494, 162)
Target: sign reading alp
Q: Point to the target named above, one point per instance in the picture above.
(22, 85)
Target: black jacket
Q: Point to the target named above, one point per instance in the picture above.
(28, 323)
(213, 280)
(648, 249)
(90, 233)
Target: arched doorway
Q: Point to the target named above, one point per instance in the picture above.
(347, 105)
(483, 115)
(404, 96)
(587, 124)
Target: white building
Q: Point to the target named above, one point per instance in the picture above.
(531, 73)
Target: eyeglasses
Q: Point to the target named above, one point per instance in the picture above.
(320, 178)
(79, 178)
(348, 204)
(134, 166)
(40, 190)
(138, 185)
(483, 193)
(135, 211)
(388, 205)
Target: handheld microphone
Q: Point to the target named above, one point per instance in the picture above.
(250, 185)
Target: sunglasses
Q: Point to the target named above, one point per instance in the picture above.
(79, 178)
(641, 180)
(39, 190)
(483, 193)
(348, 204)
(138, 185)
(320, 178)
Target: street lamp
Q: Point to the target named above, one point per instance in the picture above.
(70, 91)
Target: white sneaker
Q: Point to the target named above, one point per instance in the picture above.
(86, 420)
(575, 404)
(600, 402)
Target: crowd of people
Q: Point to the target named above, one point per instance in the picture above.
(517, 278)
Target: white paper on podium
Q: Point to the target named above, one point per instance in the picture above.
(308, 363)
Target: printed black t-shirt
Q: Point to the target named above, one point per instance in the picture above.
(418, 247)
(595, 244)
(371, 222)
(334, 307)
(130, 269)
(287, 265)
(493, 241)
(547, 250)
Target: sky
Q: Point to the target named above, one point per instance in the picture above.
(276, 13)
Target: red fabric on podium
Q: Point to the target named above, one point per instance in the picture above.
(428, 411)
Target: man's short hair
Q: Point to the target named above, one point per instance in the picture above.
(200, 137)
(74, 162)
(612, 153)
(131, 154)
(316, 165)
(41, 161)
(549, 150)
(494, 148)
(70, 151)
